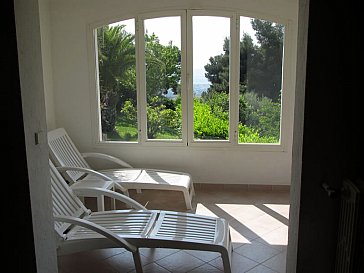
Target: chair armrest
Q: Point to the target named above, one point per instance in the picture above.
(84, 170)
(107, 157)
(88, 191)
(97, 228)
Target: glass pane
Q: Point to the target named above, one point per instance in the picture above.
(261, 58)
(163, 77)
(117, 81)
(211, 40)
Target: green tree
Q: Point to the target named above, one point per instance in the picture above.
(163, 73)
(248, 57)
(116, 57)
(163, 66)
(217, 71)
(262, 114)
(163, 118)
(260, 65)
(266, 77)
(210, 123)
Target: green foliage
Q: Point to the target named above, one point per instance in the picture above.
(217, 71)
(163, 66)
(266, 76)
(116, 53)
(216, 100)
(116, 56)
(250, 135)
(128, 113)
(260, 65)
(263, 115)
(259, 100)
(126, 133)
(125, 127)
(162, 120)
(208, 123)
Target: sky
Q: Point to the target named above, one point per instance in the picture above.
(208, 36)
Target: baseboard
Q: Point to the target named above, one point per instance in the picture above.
(245, 187)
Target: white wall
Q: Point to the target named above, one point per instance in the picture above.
(32, 84)
(73, 92)
(45, 31)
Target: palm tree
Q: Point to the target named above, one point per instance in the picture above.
(116, 56)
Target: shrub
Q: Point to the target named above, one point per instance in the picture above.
(210, 124)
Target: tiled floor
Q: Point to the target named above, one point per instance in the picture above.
(259, 229)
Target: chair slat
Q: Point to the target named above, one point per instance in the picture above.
(65, 202)
(64, 153)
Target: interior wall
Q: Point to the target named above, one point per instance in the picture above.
(72, 93)
(29, 46)
(45, 31)
(295, 193)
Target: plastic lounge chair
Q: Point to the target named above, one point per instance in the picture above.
(79, 229)
(99, 180)
(64, 153)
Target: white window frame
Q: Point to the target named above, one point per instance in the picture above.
(142, 98)
(232, 79)
(187, 82)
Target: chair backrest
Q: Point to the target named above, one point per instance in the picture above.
(63, 152)
(65, 202)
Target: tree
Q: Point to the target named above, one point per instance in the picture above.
(163, 66)
(266, 77)
(217, 71)
(116, 56)
(260, 65)
(249, 58)
(117, 73)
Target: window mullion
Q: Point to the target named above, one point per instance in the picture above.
(234, 79)
(184, 83)
(189, 84)
(141, 81)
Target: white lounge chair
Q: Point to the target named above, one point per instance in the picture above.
(79, 229)
(64, 153)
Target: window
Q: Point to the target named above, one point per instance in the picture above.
(117, 81)
(191, 78)
(162, 47)
(211, 46)
(260, 81)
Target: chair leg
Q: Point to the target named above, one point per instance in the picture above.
(100, 203)
(226, 261)
(82, 199)
(192, 191)
(137, 262)
(187, 198)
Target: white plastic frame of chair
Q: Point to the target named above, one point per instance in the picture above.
(64, 153)
(79, 229)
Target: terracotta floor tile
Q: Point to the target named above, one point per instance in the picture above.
(155, 254)
(261, 269)
(153, 268)
(180, 262)
(205, 256)
(123, 262)
(239, 263)
(277, 263)
(257, 251)
(206, 268)
(71, 264)
(277, 238)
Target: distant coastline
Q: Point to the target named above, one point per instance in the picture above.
(198, 88)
